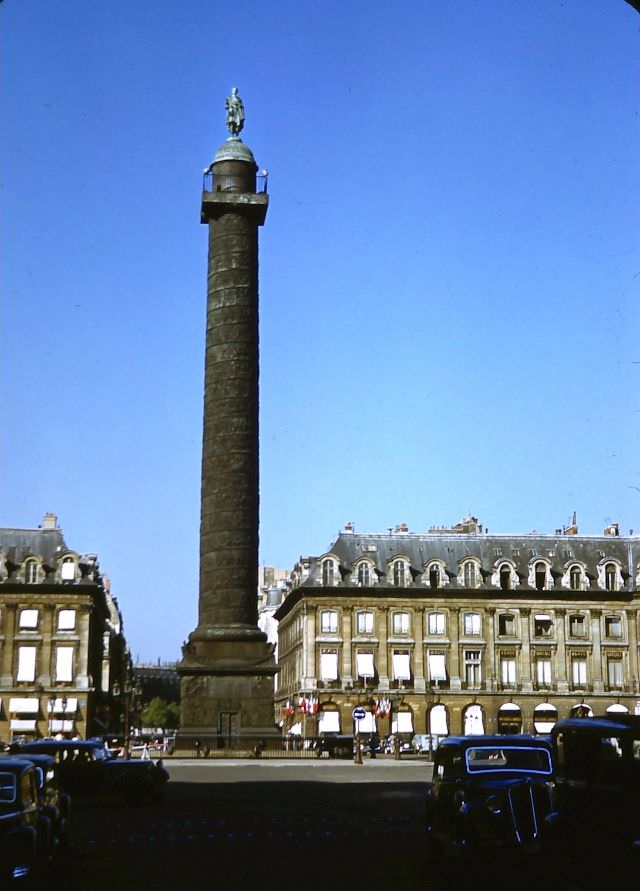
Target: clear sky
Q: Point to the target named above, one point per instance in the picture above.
(449, 272)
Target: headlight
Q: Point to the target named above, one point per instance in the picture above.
(494, 804)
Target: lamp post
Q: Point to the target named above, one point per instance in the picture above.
(127, 694)
(52, 711)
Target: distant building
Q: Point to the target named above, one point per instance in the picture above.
(271, 585)
(159, 680)
(62, 646)
(459, 631)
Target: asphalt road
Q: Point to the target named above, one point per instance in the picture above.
(274, 825)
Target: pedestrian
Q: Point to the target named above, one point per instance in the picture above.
(145, 753)
(197, 748)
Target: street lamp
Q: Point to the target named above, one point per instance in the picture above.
(127, 694)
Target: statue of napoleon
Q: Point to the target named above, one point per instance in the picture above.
(235, 112)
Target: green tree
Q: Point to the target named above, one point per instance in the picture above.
(159, 713)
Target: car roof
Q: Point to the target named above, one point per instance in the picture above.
(614, 724)
(55, 745)
(496, 739)
(15, 765)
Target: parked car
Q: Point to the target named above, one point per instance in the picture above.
(596, 793)
(487, 792)
(27, 834)
(54, 801)
(87, 768)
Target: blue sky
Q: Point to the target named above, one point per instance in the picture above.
(449, 272)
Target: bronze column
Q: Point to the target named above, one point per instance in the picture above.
(228, 666)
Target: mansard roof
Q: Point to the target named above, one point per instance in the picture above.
(20, 543)
(451, 547)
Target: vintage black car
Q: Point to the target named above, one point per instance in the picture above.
(488, 791)
(86, 768)
(54, 801)
(27, 833)
(596, 794)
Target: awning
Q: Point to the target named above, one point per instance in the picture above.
(329, 722)
(22, 705)
(19, 724)
(364, 665)
(509, 707)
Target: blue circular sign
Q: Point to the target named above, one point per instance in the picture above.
(358, 714)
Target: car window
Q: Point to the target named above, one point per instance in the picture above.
(7, 788)
(485, 759)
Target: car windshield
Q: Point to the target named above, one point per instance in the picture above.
(7, 788)
(486, 759)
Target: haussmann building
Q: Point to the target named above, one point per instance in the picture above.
(459, 631)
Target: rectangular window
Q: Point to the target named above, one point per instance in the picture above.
(364, 665)
(576, 626)
(436, 623)
(401, 623)
(508, 671)
(613, 626)
(542, 625)
(472, 668)
(28, 618)
(364, 623)
(68, 570)
(26, 664)
(437, 667)
(506, 625)
(472, 623)
(579, 672)
(401, 667)
(328, 621)
(614, 673)
(66, 620)
(543, 672)
(329, 666)
(64, 663)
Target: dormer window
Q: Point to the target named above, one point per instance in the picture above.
(610, 577)
(328, 573)
(68, 569)
(32, 572)
(434, 576)
(400, 574)
(470, 574)
(364, 574)
(575, 578)
(505, 577)
(540, 576)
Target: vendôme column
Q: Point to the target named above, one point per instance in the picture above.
(227, 665)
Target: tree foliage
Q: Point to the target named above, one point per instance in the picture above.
(160, 713)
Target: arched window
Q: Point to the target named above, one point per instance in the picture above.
(400, 574)
(434, 576)
(470, 574)
(328, 572)
(540, 576)
(68, 569)
(505, 577)
(364, 574)
(31, 572)
(610, 577)
(575, 578)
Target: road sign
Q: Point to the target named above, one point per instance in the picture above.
(358, 714)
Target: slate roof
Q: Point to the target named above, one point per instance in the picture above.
(20, 543)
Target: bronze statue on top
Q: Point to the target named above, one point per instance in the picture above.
(235, 113)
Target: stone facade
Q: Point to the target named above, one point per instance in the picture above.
(62, 646)
(459, 631)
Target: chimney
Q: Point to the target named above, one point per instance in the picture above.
(50, 521)
(348, 527)
(612, 529)
(402, 527)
